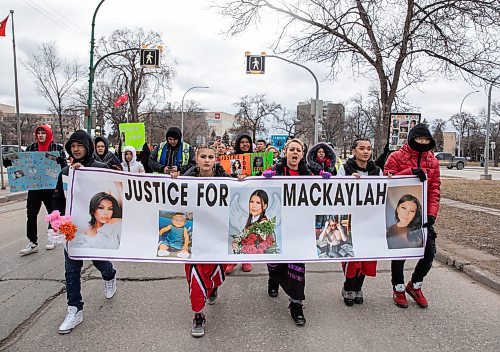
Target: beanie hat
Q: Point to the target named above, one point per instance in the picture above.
(174, 132)
(420, 130)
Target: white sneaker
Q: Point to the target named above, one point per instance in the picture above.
(50, 246)
(73, 318)
(30, 248)
(109, 288)
(163, 253)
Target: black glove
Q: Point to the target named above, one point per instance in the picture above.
(420, 174)
(431, 220)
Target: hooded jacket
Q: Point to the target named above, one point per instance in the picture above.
(402, 161)
(108, 157)
(80, 136)
(181, 155)
(134, 165)
(237, 141)
(315, 166)
(48, 145)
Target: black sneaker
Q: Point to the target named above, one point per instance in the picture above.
(297, 313)
(213, 296)
(198, 329)
(272, 288)
(349, 297)
(359, 297)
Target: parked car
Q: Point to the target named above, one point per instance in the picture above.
(8, 153)
(450, 161)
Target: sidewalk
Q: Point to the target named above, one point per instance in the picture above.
(7, 196)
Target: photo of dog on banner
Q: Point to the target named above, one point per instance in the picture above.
(333, 236)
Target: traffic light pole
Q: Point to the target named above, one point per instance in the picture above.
(91, 72)
(316, 108)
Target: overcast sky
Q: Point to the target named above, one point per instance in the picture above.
(192, 33)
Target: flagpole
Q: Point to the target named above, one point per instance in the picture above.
(15, 82)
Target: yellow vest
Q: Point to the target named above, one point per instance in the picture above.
(185, 152)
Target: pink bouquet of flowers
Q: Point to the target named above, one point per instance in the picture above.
(62, 229)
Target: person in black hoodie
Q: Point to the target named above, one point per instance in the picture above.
(243, 144)
(172, 155)
(103, 154)
(80, 148)
(143, 158)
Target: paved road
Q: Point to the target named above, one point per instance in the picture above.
(150, 311)
(470, 172)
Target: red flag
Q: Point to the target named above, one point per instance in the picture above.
(121, 100)
(3, 26)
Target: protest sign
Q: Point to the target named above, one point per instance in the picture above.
(279, 140)
(203, 220)
(399, 126)
(132, 134)
(33, 170)
(246, 164)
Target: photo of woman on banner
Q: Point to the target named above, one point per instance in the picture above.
(105, 225)
(258, 165)
(236, 167)
(335, 234)
(406, 232)
(260, 221)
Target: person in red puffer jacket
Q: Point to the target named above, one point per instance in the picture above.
(416, 158)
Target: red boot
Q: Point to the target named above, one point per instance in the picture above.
(399, 298)
(416, 294)
(229, 269)
(246, 267)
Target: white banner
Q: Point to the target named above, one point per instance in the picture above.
(145, 217)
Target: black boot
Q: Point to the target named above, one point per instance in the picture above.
(297, 313)
(272, 288)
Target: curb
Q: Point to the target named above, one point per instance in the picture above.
(480, 275)
(18, 196)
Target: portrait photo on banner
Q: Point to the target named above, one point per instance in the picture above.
(236, 166)
(404, 217)
(175, 231)
(334, 236)
(255, 221)
(101, 227)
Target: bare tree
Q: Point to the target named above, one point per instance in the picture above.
(123, 69)
(54, 78)
(401, 43)
(462, 123)
(438, 127)
(288, 123)
(253, 114)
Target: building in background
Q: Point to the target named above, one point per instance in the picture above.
(219, 122)
(450, 142)
(331, 123)
(8, 125)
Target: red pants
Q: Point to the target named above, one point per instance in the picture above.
(202, 279)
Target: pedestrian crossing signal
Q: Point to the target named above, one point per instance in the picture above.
(255, 63)
(150, 58)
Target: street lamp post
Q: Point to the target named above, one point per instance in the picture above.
(182, 106)
(91, 72)
(317, 107)
(487, 176)
(459, 137)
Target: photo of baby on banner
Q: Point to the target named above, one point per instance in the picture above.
(103, 226)
(255, 221)
(404, 218)
(333, 236)
(175, 231)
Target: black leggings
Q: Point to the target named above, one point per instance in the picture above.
(423, 266)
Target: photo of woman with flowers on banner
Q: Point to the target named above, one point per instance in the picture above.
(255, 222)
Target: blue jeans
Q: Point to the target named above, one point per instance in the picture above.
(73, 271)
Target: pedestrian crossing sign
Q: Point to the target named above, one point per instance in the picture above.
(150, 58)
(255, 63)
